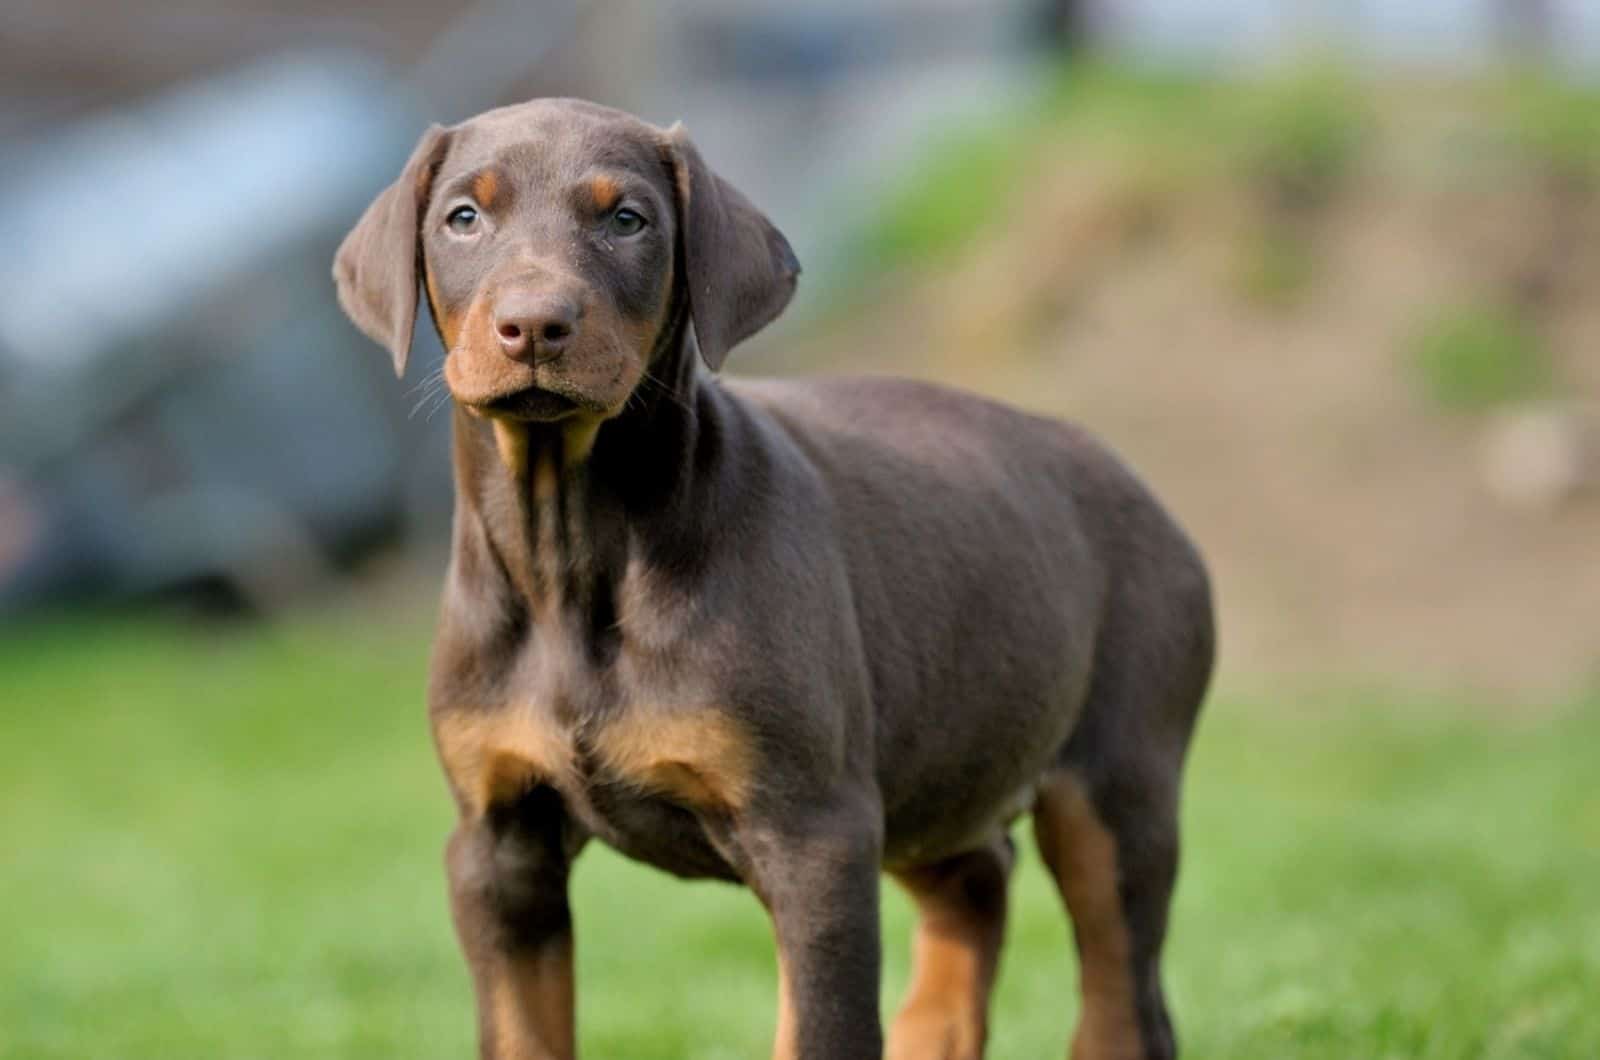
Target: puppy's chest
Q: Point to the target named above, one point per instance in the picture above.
(606, 741)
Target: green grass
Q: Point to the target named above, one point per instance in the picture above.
(224, 845)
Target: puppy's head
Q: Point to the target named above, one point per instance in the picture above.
(554, 240)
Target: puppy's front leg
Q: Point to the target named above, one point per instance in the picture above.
(508, 872)
(817, 874)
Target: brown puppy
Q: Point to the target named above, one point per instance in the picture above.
(786, 634)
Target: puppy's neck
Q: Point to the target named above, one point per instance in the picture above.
(541, 519)
(545, 510)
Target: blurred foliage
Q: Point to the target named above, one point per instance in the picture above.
(956, 186)
(966, 177)
(1301, 135)
(1555, 121)
(1475, 357)
(1278, 264)
(1093, 101)
(1293, 137)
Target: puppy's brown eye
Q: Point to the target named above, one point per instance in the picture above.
(626, 222)
(462, 219)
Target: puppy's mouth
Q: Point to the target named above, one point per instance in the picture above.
(533, 405)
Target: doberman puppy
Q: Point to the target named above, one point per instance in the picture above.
(789, 634)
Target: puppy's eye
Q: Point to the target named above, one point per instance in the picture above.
(626, 222)
(462, 219)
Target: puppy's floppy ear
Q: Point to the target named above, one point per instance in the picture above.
(739, 270)
(375, 270)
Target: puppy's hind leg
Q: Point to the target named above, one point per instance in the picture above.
(1106, 815)
(1115, 875)
(961, 909)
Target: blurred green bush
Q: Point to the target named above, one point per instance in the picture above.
(1478, 356)
(953, 188)
(1556, 122)
(1293, 138)
(1301, 134)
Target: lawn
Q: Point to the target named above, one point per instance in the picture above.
(227, 844)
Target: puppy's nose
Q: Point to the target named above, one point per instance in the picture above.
(534, 325)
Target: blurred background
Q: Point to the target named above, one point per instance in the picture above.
(1326, 271)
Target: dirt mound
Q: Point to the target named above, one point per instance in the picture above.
(1257, 357)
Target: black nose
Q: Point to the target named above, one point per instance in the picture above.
(534, 325)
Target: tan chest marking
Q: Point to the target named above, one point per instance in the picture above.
(492, 758)
(701, 758)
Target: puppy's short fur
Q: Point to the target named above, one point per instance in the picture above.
(788, 634)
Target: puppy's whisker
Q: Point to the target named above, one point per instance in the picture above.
(430, 396)
(441, 398)
(427, 381)
(444, 401)
(668, 392)
(435, 392)
(424, 400)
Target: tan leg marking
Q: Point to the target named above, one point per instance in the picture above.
(786, 1042)
(1082, 855)
(530, 1006)
(955, 953)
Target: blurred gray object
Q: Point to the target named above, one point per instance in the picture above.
(179, 402)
